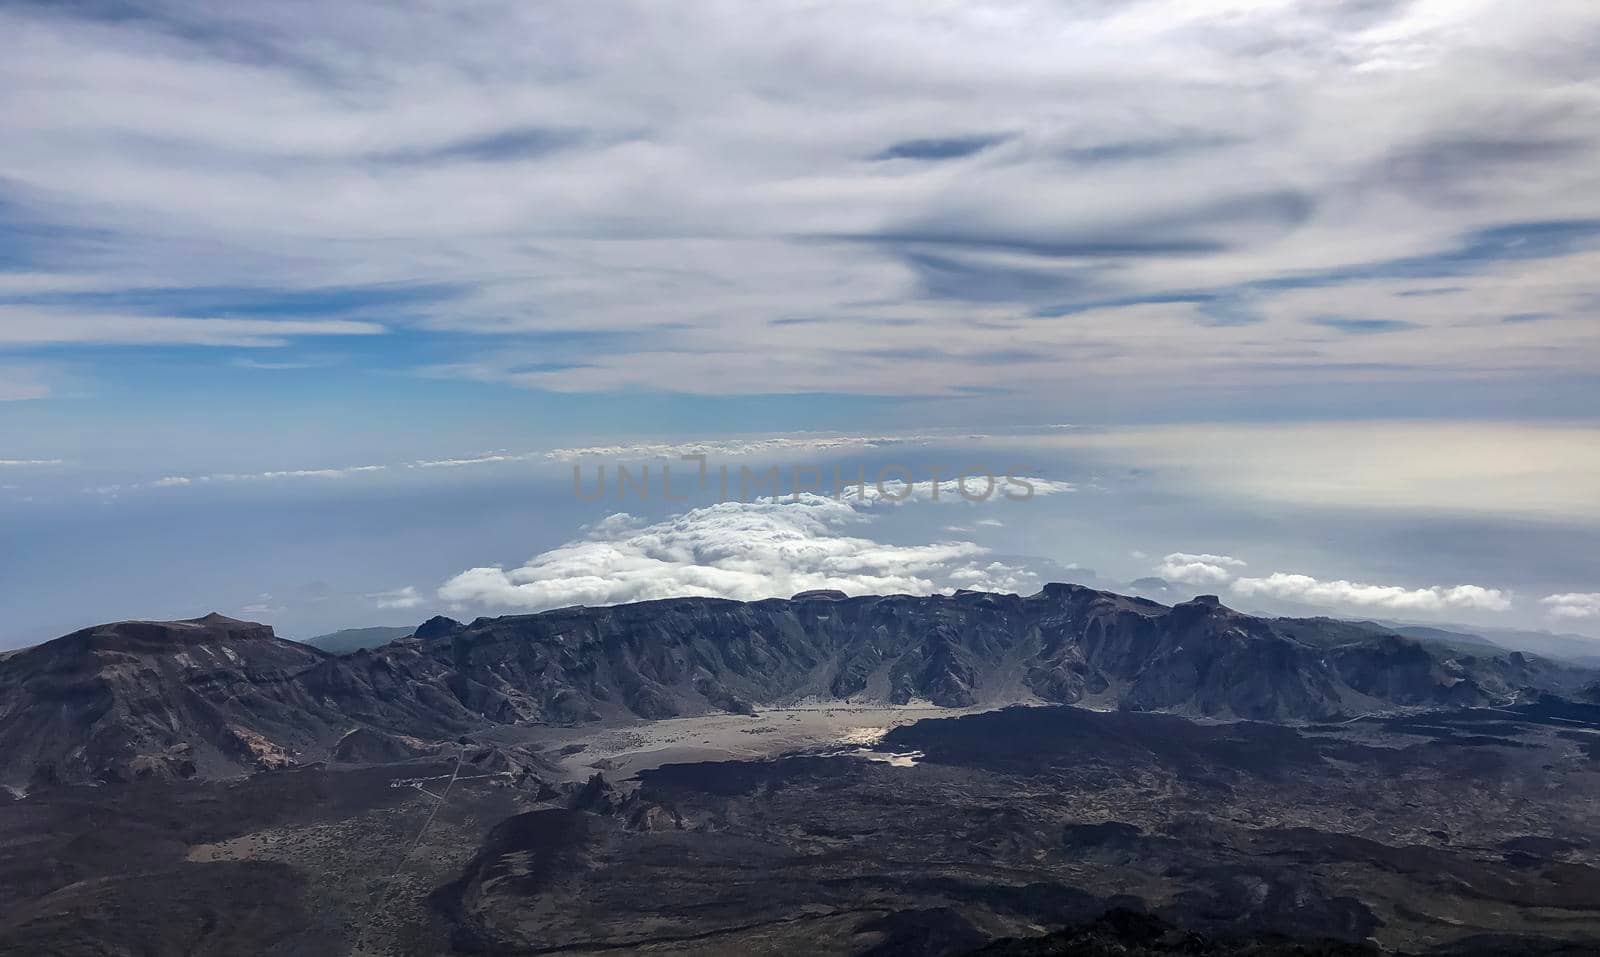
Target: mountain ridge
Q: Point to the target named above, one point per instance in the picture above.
(214, 696)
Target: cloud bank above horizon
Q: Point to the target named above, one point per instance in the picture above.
(770, 548)
(1340, 594)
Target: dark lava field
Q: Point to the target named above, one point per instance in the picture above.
(1028, 830)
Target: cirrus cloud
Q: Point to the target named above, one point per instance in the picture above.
(45, 327)
(397, 166)
(805, 443)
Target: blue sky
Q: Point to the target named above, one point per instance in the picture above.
(305, 238)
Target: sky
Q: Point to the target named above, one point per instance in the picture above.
(308, 310)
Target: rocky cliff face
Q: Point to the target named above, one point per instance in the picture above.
(172, 699)
(1064, 644)
(212, 695)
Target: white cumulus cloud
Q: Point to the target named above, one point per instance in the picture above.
(1312, 591)
(1573, 605)
(762, 549)
(1203, 569)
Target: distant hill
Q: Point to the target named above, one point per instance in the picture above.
(1569, 647)
(353, 639)
(1457, 640)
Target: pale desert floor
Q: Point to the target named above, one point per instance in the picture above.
(621, 752)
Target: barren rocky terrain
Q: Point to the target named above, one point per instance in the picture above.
(203, 787)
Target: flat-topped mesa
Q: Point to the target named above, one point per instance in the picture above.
(1085, 599)
(1199, 608)
(158, 636)
(1051, 589)
(202, 696)
(1204, 606)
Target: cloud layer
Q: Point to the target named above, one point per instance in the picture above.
(1573, 606)
(1341, 593)
(1224, 570)
(1549, 470)
(600, 467)
(895, 198)
(1199, 569)
(769, 548)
